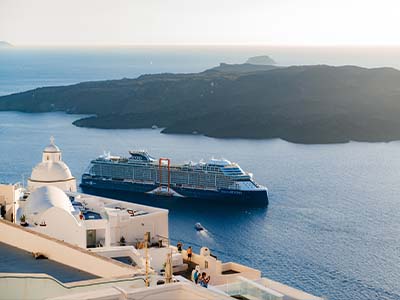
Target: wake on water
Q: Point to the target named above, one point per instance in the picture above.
(205, 234)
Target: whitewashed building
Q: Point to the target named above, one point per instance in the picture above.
(51, 205)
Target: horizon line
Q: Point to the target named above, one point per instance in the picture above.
(102, 45)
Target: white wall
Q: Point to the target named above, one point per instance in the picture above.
(157, 256)
(63, 226)
(41, 286)
(288, 291)
(28, 240)
(134, 228)
(9, 193)
(216, 267)
(176, 291)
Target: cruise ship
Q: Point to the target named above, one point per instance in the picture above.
(218, 180)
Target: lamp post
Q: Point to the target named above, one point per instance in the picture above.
(146, 240)
(168, 268)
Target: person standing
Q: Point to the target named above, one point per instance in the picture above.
(196, 274)
(189, 253)
(179, 246)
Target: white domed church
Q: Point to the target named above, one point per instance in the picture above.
(52, 171)
(52, 206)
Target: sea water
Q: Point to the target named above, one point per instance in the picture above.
(332, 226)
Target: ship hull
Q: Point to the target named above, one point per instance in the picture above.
(233, 197)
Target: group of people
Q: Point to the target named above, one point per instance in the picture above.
(200, 278)
(189, 250)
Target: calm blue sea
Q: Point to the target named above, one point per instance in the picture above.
(333, 224)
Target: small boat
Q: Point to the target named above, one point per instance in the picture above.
(199, 227)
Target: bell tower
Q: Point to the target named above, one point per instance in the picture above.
(52, 171)
(51, 153)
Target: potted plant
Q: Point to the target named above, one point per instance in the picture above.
(22, 221)
(122, 241)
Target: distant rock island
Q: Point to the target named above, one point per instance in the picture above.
(4, 44)
(301, 104)
(240, 68)
(261, 60)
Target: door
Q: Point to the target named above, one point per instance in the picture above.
(91, 238)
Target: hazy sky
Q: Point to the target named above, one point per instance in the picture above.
(270, 22)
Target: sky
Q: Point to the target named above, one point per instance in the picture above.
(200, 22)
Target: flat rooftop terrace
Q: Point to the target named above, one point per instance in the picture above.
(14, 260)
(93, 201)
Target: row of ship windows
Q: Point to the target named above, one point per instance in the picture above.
(129, 169)
(226, 171)
(183, 168)
(233, 173)
(152, 175)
